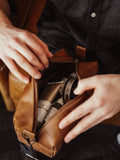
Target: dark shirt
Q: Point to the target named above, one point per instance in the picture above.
(93, 24)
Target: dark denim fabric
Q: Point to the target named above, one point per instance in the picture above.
(64, 24)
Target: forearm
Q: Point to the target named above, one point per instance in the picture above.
(4, 12)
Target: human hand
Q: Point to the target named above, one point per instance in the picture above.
(20, 47)
(102, 105)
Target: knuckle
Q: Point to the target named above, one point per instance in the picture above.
(34, 35)
(22, 60)
(15, 39)
(45, 45)
(41, 53)
(46, 63)
(31, 58)
(79, 112)
(116, 80)
(100, 102)
(41, 67)
(11, 43)
(34, 73)
(2, 55)
(104, 113)
(108, 116)
(24, 34)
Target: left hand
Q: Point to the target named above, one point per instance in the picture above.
(102, 105)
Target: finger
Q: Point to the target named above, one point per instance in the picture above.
(28, 54)
(86, 84)
(83, 125)
(23, 63)
(13, 68)
(77, 113)
(45, 47)
(38, 50)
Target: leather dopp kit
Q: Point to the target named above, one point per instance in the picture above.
(42, 104)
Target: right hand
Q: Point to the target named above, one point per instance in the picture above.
(20, 47)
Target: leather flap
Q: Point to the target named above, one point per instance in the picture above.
(50, 135)
(16, 88)
(87, 69)
(24, 115)
(62, 56)
(81, 53)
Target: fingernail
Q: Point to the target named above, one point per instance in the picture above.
(38, 75)
(42, 69)
(26, 81)
(47, 66)
(67, 139)
(62, 125)
(76, 91)
(51, 54)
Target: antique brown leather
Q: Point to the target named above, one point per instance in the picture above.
(24, 114)
(49, 138)
(16, 87)
(4, 87)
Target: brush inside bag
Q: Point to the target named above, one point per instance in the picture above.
(55, 90)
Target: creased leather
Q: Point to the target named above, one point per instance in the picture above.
(16, 88)
(49, 138)
(4, 87)
(50, 135)
(24, 115)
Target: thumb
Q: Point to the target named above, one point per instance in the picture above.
(85, 84)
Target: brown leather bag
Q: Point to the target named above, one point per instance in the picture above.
(49, 138)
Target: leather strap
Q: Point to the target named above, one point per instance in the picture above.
(81, 53)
